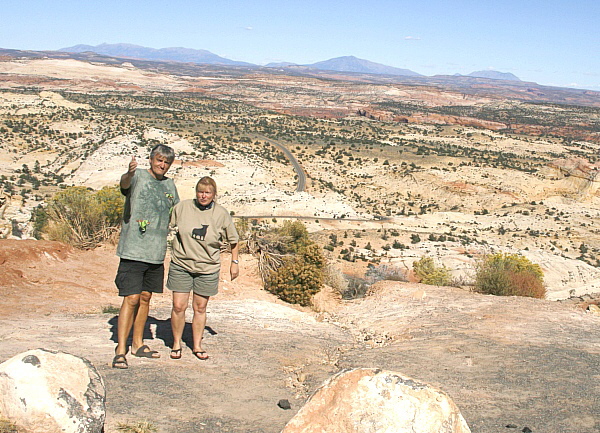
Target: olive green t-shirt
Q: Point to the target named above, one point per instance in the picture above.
(148, 206)
(200, 234)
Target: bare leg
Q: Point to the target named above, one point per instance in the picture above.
(125, 322)
(199, 322)
(180, 303)
(139, 323)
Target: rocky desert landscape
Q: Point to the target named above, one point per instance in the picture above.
(395, 171)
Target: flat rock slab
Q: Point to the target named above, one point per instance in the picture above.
(260, 353)
(503, 361)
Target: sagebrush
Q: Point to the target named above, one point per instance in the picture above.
(82, 217)
(137, 427)
(509, 275)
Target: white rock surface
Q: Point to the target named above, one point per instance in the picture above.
(369, 400)
(47, 392)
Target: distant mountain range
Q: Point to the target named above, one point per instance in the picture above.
(349, 64)
(175, 54)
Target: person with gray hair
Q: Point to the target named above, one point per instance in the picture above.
(149, 200)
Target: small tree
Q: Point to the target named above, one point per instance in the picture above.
(292, 265)
(300, 277)
(509, 275)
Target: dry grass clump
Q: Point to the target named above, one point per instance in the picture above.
(7, 427)
(385, 272)
(137, 427)
(335, 278)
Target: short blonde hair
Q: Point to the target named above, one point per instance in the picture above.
(207, 181)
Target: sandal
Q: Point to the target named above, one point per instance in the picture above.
(201, 355)
(120, 362)
(145, 352)
(176, 353)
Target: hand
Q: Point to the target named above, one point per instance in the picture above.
(132, 166)
(234, 271)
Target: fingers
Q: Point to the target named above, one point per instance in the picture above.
(132, 164)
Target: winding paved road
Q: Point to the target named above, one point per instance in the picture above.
(297, 167)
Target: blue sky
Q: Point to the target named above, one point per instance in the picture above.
(551, 42)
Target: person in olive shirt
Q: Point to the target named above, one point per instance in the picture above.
(149, 199)
(202, 226)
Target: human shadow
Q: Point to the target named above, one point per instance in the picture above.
(162, 331)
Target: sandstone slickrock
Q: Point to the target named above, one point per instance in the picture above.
(366, 400)
(45, 392)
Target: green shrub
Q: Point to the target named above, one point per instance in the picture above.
(110, 309)
(295, 282)
(429, 273)
(39, 217)
(84, 218)
(509, 275)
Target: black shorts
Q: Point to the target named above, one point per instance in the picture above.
(135, 277)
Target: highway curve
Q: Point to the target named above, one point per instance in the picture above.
(297, 167)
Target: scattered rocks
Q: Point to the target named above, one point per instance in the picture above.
(373, 400)
(47, 392)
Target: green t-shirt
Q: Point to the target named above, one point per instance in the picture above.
(148, 206)
(200, 234)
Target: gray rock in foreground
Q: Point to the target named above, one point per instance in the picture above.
(371, 400)
(46, 392)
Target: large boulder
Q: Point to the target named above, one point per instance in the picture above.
(376, 401)
(45, 392)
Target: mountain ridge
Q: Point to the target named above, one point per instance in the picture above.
(177, 54)
(354, 64)
(349, 64)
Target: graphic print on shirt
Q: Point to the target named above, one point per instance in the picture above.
(200, 233)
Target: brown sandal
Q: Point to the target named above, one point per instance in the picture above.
(120, 362)
(201, 355)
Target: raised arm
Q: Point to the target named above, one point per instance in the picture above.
(125, 182)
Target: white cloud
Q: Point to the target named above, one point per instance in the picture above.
(412, 38)
(249, 28)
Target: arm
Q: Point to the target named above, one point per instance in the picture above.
(125, 182)
(234, 270)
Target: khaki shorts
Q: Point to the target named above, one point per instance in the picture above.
(180, 280)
